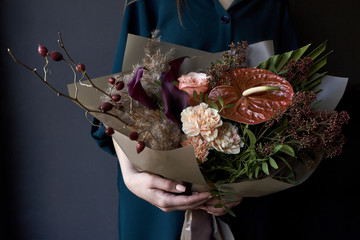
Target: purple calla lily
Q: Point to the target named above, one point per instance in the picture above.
(172, 74)
(137, 92)
(175, 100)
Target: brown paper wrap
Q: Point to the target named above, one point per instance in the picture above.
(180, 164)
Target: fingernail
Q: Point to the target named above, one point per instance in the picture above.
(180, 188)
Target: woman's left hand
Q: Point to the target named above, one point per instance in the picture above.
(209, 206)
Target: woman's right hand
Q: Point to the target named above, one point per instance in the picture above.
(161, 192)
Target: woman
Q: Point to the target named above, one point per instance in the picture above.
(206, 25)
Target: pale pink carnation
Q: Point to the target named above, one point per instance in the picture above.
(228, 139)
(202, 120)
(201, 147)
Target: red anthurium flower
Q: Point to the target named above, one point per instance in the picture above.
(256, 93)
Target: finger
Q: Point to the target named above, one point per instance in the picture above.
(167, 185)
(171, 202)
(214, 201)
(219, 211)
(182, 208)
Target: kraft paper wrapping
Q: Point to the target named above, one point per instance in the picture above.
(180, 164)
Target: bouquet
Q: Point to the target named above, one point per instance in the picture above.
(240, 122)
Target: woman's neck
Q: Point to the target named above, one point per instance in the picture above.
(226, 3)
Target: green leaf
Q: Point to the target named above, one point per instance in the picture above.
(283, 71)
(229, 211)
(219, 205)
(285, 162)
(217, 197)
(272, 63)
(251, 136)
(273, 163)
(214, 192)
(318, 65)
(317, 91)
(231, 199)
(230, 105)
(283, 59)
(201, 96)
(317, 51)
(213, 105)
(285, 149)
(225, 188)
(297, 54)
(195, 95)
(221, 101)
(316, 103)
(206, 98)
(250, 175)
(257, 169)
(279, 61)
(228, 194)
(265, 168)
(313, 82)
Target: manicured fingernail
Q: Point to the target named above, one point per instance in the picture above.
(180, 188)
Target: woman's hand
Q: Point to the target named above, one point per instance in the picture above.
(209, 206)
(159, 191)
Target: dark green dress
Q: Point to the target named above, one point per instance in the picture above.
(206, 26)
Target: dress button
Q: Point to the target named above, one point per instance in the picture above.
(225, 19)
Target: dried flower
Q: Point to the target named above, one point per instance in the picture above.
(234, 58)
(315, 131)
(297, 71)
(201, 120)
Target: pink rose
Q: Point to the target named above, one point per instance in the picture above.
(194, 82)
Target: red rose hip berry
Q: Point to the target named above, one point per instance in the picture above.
(80, 67)
(106, 106)
(112, 81)
(109, 131)
(134, 136)
(116, 97)
(119, 85)
(56, 56)
(140, 147)
(42, 50)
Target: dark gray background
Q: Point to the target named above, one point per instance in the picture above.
(57, 184)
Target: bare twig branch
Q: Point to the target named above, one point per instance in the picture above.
(33, 70)
(62, 46)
